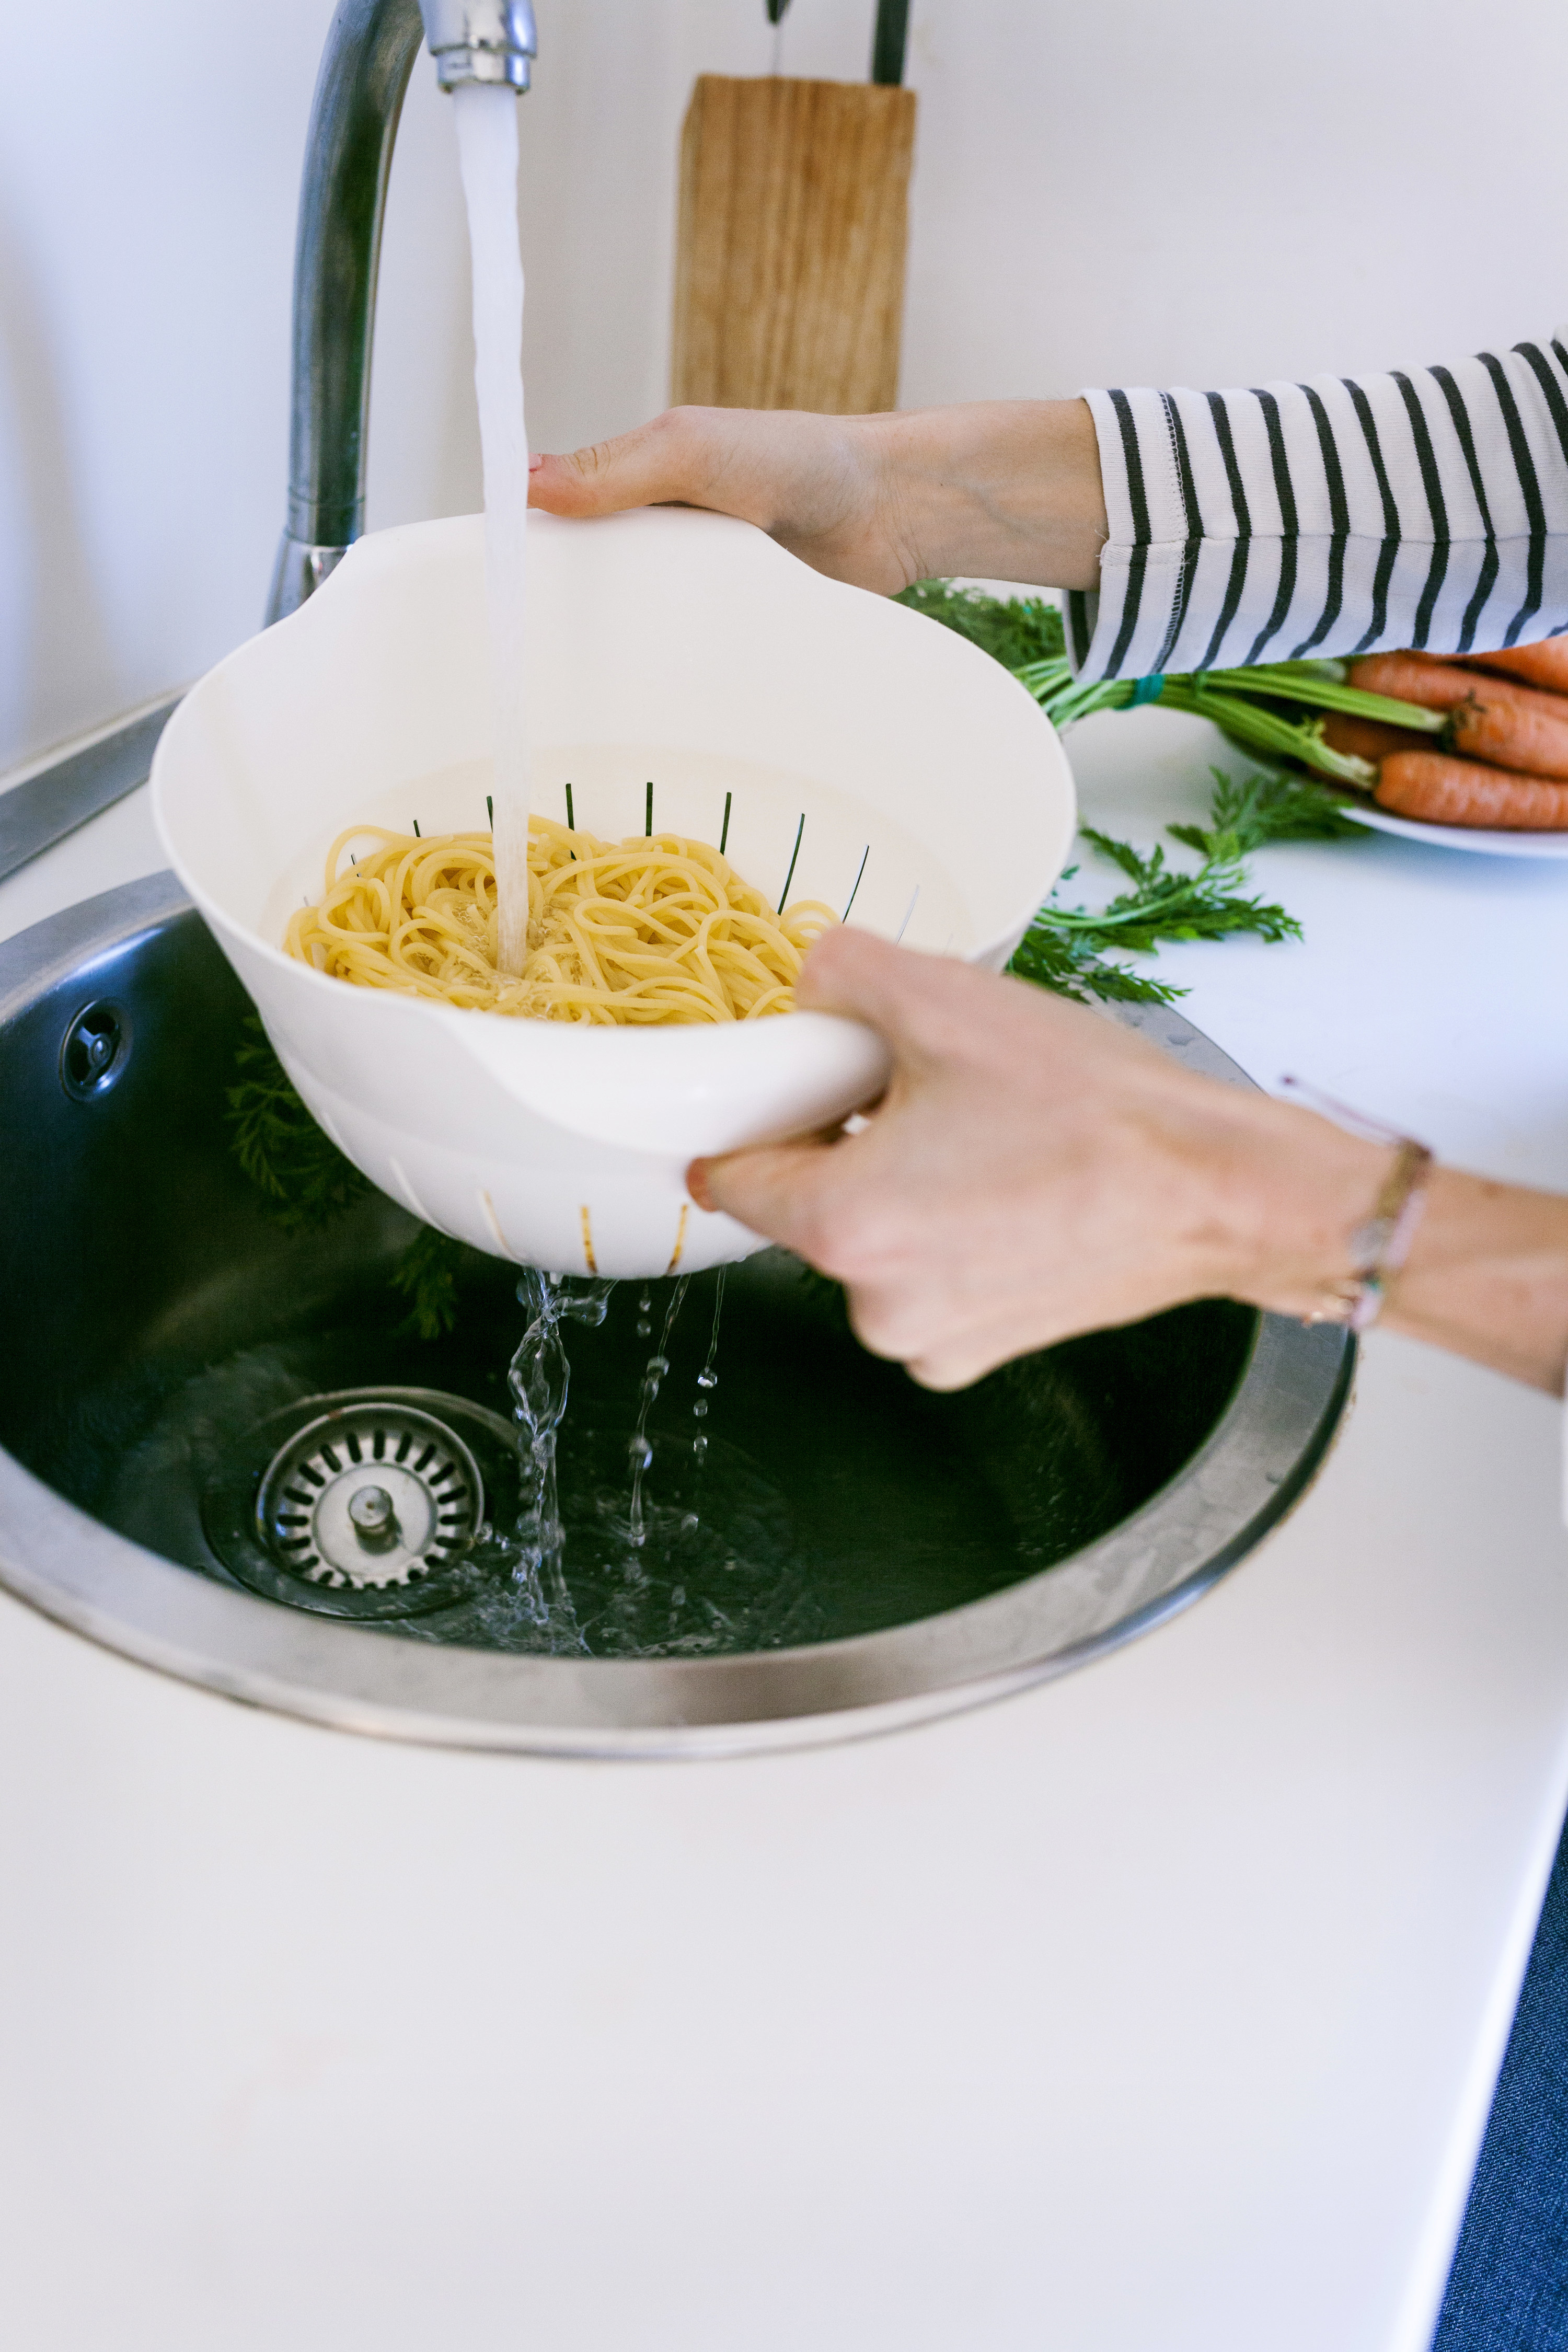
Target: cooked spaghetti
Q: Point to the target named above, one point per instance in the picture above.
(661, 929)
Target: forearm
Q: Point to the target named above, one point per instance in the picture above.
(994, 489)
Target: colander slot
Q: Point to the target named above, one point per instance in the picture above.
(327, 1455)
(355, 1449)
(418, 1467)
(378, 1443)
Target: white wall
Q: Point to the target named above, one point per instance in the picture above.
(1177, 190)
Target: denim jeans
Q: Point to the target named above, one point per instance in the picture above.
(1507, 2291)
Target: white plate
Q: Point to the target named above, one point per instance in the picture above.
(1462, 836)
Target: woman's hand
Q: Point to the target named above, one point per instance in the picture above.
(1034, 1172)
(997, 489)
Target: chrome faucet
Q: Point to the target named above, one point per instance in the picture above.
(348, 155)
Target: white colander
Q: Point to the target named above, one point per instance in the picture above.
(866, 755)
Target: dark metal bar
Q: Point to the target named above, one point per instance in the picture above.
(890, 41)
(35, 815)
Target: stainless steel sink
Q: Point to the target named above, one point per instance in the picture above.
(864, 1554)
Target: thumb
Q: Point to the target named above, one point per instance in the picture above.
(776, 1191)
(658, 464)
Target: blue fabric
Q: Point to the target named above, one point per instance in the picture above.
(1507, 2291)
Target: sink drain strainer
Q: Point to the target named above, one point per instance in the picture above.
(367, 1503)
(369, 1495)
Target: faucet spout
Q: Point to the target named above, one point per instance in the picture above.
(482, 40)
(364, 72)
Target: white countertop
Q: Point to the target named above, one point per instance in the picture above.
(1154, 2010)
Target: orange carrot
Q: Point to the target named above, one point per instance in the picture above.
(1461, 791)
(1416, 677)
(1370, 739)
(1545, 664)
(1496, 718)
(1518, 728)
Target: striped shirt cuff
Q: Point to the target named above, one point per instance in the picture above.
(1335, 517)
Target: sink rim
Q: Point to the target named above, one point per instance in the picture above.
(1251, 1470)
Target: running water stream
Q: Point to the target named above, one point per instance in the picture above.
(538, 1378)
(639, 1450)
(708, 1378)
(486, 148)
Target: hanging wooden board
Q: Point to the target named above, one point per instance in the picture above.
(789, 283)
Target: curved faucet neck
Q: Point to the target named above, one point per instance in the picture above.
(364, 72)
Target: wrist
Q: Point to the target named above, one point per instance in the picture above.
(1488, 1277)
(1007, 489)
(1486, 1271)
(1292, 1192)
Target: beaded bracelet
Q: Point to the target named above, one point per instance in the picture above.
(1380, 1247)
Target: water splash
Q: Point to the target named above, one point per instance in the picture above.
(705, 1563)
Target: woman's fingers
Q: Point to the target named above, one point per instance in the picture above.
(778, 1191)
(670, 460)
(816, 483)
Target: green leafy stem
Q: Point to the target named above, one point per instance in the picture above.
(1267, 710)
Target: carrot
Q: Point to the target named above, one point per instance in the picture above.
(1516, 727)
(1416, 678)
(1461, 791)
(1370, 739)
(1545, 664)
(1496, 718)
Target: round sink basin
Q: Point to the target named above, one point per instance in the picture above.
(229, 1453)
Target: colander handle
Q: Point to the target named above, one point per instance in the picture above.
(682, 1092)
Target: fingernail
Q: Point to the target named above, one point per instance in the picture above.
(535, 462)
(697, 1183)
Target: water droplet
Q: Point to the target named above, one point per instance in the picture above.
(678, 1598)
(699, 1409)
(707, 1379)
(645, 1328)
(689, 1522)
(699, 1448)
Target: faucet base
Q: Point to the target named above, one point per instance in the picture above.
(300, 567)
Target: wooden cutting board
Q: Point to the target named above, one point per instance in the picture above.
(789, 282)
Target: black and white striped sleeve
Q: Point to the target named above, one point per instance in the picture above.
(1335, 517)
